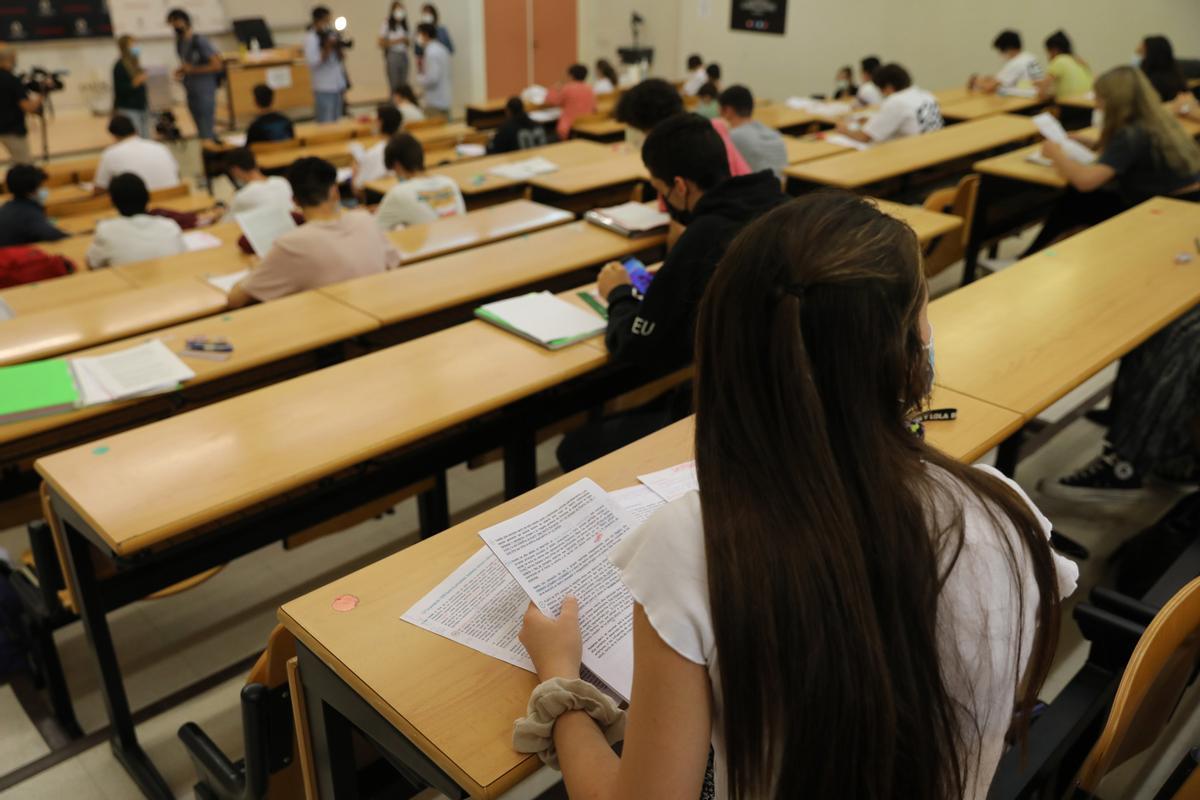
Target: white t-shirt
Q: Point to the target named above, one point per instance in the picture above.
(123, 240)
(869, 94)
(410, 113)
(150, 161)
(904, 113)
(663, 565)
(1020, 70)
(274, 191)
(397, 39)
(418, 200)
(603, 86)
(371, 166)
(694, 81)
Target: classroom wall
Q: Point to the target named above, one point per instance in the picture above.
(940, 41)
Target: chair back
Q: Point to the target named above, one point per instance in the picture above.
(959, 201)
(423, 124)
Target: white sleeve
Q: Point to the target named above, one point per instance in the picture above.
(1010, 74)
(885, 122)
(402, 208)
(103, 174)
(312, 49)
(97, 252)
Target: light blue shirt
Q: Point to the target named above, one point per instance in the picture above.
(436, 78)
(327, 74)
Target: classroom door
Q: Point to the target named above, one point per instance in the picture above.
(555, 39)
(506, 42)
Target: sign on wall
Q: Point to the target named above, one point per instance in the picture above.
(759, 16)
(37, 20)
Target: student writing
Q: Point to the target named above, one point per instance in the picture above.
(1066, 75)
(843, 610)
(907, 110)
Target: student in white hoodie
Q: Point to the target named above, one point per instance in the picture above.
(254, 189)
(907, 110)
(135, 235)
(1021, 70)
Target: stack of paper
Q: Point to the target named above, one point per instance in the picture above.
(842, 140)
(235, 139)
(145, 369)
(469, 149)
(199, 240)
(36, 388)
(524, 170)
(543, 318)
(820, 108)
(1049, 126)
(226, 282)
(672, 483)
(629, 219)
(264, 225)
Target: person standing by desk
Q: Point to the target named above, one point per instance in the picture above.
(393, 40)
(200, 70)
(15, 103)
(434, 77)
(129, 86)
(323, 52)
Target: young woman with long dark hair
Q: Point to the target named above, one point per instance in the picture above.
(842, 611)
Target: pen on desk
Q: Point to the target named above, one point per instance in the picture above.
(1197, 241)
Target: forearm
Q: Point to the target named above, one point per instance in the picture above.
(589, 765)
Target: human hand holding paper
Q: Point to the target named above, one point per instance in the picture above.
(555, 645)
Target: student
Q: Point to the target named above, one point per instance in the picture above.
(1156, 57)
(406, 101)
(200, 67)
(697, 75)
(372, 167)
(393, 41)
(434, 76)
(607, 80)
(843, 85)
(713, 71)
(129, 86)
(333, 244)
(708, 104)
(1020, 69)
(762, 147)
(907, 110)
(518, 131)
(269, 125)
(254, 189)
(23, 218)
(135, 235)
(430, 16)
(1066, 75)
(1143, 150)
(868, 93)
(575, 97)
(149, 160)
(654, 100)
(839, 594)
(418, 197)
(684, 158)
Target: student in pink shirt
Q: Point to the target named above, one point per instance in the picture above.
(575, 97)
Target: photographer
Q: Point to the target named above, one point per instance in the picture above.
(15, 103)
(200, 70)
(323, 51)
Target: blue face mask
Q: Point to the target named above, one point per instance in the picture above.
(135, 51)
(1136, 61)
(932, 360)
(43, 194)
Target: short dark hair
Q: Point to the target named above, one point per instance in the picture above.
(121, 126)
(1059, 41)
(179, 15)
(1007, 40)
(390, 118)
(23, 180)
(870, 64)
(264, 95)
(739, 98)
(577, 72)
(708, 90)
(428, 29)
(689, 147)
(311, 179)
(129, 194)
(648, 103)
(892, 75)
(713, 71)
(242, 158)
(515, 107)
(695, 61)
(405, 150)
(319, 13)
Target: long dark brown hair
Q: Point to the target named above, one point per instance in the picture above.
(824, 563)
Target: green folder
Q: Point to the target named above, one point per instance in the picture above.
(36, 388)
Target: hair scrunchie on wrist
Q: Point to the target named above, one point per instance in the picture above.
(534, 733)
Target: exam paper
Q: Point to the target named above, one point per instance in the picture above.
(544, 318)
(264, 225)
(134, 371)
(1052, 130)
(561, 547)
(523, 170)
(673, 482)
(639, 501)
(226, 282)
(199, 240)
(842, 140)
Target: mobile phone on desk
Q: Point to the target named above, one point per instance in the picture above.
(639, 276)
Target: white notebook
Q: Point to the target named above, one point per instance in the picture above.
(543, 318)
(629, 219)
(143, 369)
(264, 225)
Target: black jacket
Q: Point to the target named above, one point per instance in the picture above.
(24, 221)
(656, 332)
(270, 127)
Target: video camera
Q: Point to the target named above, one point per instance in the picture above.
(336, 36)
(42, 81)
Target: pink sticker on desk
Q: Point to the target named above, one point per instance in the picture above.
(344, 602)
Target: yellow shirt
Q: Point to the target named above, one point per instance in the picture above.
(1070, 77)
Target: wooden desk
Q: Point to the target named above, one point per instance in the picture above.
(31, 298)
(200, 264)
(1086, 100)
(472, 276)
(63, 196)
(901, 157)
(336, 153)
(243, 73)
(986, 105)
(476, 182)
(86, 223)
(83, 324)
(63, 171)
(926, 224)
(466, 231)
(600, 130)
(800, 150)
(1024, 337)
(790, 120)
(588, 186)
(1015, 165)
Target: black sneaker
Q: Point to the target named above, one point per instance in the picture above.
(1106, 478)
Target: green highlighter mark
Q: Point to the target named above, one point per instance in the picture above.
(101, 450)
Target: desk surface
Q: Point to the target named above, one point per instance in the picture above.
(925, 223)
(902, 156)
(598, 128)
(1085, 100)
(347, 128)
(199, 264)
(800, 150)
(1016, 166)
(617, 169)
(102, 319)
(473, 177)
(261, 334)
(453, 280)
(1026, 336)
(85, 223)
(285, 436)
(31, 298)
(985, 105)
(475, 228)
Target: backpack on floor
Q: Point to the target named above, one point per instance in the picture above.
(23, 264)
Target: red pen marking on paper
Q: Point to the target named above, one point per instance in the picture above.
(344, 602)
(599, 536)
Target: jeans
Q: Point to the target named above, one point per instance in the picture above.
(328, 106)
(203, 106)
(140, 119)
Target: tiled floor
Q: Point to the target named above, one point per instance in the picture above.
(167, 644)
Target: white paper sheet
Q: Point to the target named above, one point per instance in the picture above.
(1017, 91)
(561, 547)
(635, 217)
(235, 139)
(1052, 130)
(673, 482)
(544, 318)
(524, 170)
(479, 605)
(264, 225)
(226, 282)
(470, 149)
(842, 140)
(199, 240)
(821, 108)
(639, 501)
(544, 115)
(134, 371)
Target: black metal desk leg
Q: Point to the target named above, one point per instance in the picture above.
(1009, 453)
(978, 232)
(433, 507)
(95, 624)
(520, 464)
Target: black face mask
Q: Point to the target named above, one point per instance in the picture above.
(179, 33)
(680, 216)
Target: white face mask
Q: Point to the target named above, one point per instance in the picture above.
(398, 15)
(1136, 61)
(427, 18)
